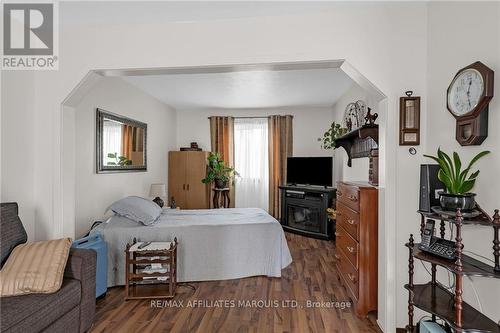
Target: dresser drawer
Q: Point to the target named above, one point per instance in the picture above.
(348, 273)
(347, 245)
(348, 219)
(348, 195)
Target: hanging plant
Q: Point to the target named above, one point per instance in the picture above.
(331, 135)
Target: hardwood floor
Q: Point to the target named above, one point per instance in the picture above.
(312, 276)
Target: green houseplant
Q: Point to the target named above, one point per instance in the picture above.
(458, 182)
(331, 135)
(218, 172)
(119, 160)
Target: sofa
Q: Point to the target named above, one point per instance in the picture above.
(70, 309)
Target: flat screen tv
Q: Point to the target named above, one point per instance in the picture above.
(310, 171)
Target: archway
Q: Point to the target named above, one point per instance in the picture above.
(65, 221)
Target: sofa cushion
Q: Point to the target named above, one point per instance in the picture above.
(33, 313)
(13, 232)
(35, 267)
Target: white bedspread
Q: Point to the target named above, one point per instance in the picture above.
(214, 244)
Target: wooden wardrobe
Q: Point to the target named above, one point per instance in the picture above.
(186, 169)
(357, 243)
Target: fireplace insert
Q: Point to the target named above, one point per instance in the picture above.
(303, 210)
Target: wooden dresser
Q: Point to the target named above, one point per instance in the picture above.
(356, 243)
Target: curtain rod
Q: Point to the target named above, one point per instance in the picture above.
(250, 117)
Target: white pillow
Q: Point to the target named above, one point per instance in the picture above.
(137, 209)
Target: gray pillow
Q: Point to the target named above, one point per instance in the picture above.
(137, 209)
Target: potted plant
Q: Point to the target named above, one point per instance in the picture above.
(333, 133)
(218, 172)
(458, 182)
(119, 160)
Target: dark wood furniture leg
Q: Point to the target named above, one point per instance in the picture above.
(127, 268)
(410, 284)
(442, 229)
(433, 274)
(216, 199)
(458, 263)
(422, 225)
(496, 240)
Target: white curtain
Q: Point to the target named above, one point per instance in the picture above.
(251, 161)
(111, 140)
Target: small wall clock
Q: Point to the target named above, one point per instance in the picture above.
(468, 97)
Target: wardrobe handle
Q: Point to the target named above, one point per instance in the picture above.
(183, 186)
(188, 187)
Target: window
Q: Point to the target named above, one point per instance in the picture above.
(111, 141)
(251, 160)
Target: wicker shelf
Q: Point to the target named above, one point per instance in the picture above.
(440, 302)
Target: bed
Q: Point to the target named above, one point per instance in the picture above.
(214, 244)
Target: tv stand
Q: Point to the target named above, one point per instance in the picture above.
(303, 210)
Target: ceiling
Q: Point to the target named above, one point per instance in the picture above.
(246, 89)
(150, 12)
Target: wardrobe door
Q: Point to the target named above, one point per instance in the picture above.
(177, 185)
(196, 170)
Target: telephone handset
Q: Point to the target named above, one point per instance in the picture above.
(435, 245)
(427, 235)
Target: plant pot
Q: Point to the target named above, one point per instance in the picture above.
(452, 202)
(219, 183)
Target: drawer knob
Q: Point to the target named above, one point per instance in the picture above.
(350, 249)
(337, 234)
(339, 193)
(350, 221)
(353, 198)
(337, 257)
(351, 277)
(339, 213)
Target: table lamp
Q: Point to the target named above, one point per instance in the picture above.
(158, 191)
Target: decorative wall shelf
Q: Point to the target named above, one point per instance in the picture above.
(359, 142)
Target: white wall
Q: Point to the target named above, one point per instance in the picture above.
(359, 169)
(454, 43)
(18, 145)
(95, 192)
(372, 45)
(309, 123)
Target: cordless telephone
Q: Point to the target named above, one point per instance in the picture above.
(435, 245)
(427, 235)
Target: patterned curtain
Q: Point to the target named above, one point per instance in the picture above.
(280, 147)
(222, 140)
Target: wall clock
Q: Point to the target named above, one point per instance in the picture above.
(468, 97)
